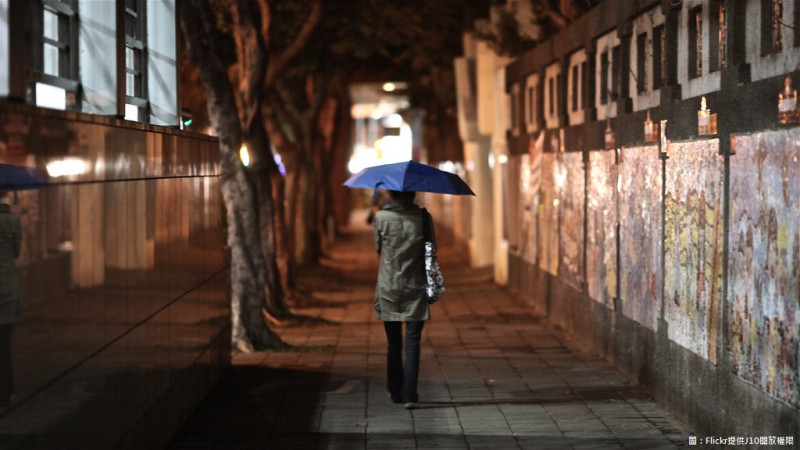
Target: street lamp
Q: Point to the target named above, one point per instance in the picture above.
(244, 155)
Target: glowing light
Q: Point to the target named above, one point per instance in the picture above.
(244, 155)
(279, 163)
(67, 167)
(502, 159)
(556, 202)
(393, 121)
(560, 177)
(354, 166)
(51, 97)
(389, 87)
(131, 112)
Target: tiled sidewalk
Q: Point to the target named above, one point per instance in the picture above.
(493, 375)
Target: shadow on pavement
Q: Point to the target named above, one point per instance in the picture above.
(256, 407)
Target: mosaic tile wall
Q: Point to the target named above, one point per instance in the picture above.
(640, 234)
(764, 263)
(569, 177)
(601, 225)
(547, 216)
(693, 236)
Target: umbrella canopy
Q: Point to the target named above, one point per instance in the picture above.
(20, 178)
(409, 176)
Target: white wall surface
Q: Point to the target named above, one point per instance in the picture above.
(551, 76)
(787, 60)
(605, 44)
(645, 23)
(532, 98)
(576, 117)
(4, 48)
(709, 81)
(162, 71)
(499, 150)
(486, 63)
(98, 56)
(465, 100)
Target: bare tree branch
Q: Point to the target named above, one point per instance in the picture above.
(202, 45)
(286, 109)
(279, 63)
(266, 20)
(250, 49)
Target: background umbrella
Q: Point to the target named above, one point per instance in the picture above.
(409, 176)
(20, 178)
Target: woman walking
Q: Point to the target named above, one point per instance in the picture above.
(400, 294)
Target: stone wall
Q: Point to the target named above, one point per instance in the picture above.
(678, 261)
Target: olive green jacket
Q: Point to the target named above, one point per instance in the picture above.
(400, 292)
(10, 243)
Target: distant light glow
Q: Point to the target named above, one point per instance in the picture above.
(560, 176)
(393, 121)
(131, 112)
(385, 150)
(244, 155)
(279, 163)
(502, 159)
(67, 167)
(389, 87)
(52, 97)
(355, 165)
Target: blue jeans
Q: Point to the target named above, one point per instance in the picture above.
(401, 379)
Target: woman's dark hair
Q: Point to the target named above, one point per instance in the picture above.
(402, 196)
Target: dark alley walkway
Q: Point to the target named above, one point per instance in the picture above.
(493, 375)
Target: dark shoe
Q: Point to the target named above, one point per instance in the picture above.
(411, 405)
(393, 398)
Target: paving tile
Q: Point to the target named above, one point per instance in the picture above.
(493, 375)
(490, 441)
(434, 440)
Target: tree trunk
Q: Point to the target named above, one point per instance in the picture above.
(283, 244)
(324, 164)
(283, 201)
(342, 141)
(247, 274)
(261, 174)
(305, 226)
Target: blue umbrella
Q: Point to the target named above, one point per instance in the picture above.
(20, 178)
(409, 176)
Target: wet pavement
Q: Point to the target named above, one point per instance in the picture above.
(493, 375)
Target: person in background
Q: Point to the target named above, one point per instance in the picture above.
(400, 293)
(10, 296)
